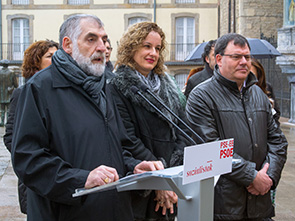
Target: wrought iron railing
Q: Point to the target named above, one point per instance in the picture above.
(178, 52)
(185, 1)
(20, 2)
(78, 2)
(13, 52)
(138, 1)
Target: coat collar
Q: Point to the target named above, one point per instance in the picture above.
(58, 80)
(208, 69)
(232, 85)
(126, 77)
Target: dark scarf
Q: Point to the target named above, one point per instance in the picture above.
(92, 85)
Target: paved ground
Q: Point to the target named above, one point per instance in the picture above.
(285, 197)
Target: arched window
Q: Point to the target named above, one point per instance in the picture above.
(132, 21)
(20, 37)
(185, 36)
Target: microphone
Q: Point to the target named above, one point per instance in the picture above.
(145, 88)
(135, 90)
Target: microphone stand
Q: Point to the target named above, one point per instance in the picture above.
(135, 90)
(146, 89)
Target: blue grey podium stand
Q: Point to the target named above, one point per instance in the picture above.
(195, 200)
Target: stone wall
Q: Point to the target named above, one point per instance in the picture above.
(253, 18)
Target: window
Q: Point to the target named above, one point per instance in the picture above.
(138, 1)
(185, 37)
(184, 1)
(132, 18)
(136, 20)
(20, 37)
(181, 79)
(20, 2)
(78, 2)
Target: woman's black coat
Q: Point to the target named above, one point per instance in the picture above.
(152, 136)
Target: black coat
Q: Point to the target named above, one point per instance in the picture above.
(198, 78)
(60, 136)
(152, 136)
(7, 138)
(216, 109)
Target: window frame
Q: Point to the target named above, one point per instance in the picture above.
(127, 2)
(127, 17)
(196, 1)
(174, 16)
(9, 2)
(10, 18)
(67, 3)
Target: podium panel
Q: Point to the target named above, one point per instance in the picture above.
(193, 183)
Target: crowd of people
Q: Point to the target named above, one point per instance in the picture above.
(80, 122)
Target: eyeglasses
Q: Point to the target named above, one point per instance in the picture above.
(237, 57)
(109, 48)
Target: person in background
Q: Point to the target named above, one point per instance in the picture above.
(109, 66)
(140, 61)
(207, 72)
(68, 132)
(231, 105)
(36, 57)
(108, 54)
(258, 70)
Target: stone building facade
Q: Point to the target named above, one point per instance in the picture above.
(262, 19)
(251, 18)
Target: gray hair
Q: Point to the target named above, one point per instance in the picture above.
(71, 27)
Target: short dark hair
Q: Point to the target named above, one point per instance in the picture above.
(223, 41)
(109, 41)
(207, 49)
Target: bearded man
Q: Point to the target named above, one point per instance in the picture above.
(68, 133)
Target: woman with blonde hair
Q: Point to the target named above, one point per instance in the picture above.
(140, 63)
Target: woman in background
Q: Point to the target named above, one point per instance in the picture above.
(259, 72)
(36, 57)
(140, 62)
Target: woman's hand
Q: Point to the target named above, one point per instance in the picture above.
(165, 199)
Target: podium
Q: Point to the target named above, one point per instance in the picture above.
(193, 183)
(195, 200)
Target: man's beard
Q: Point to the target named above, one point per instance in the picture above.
(85, 63)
